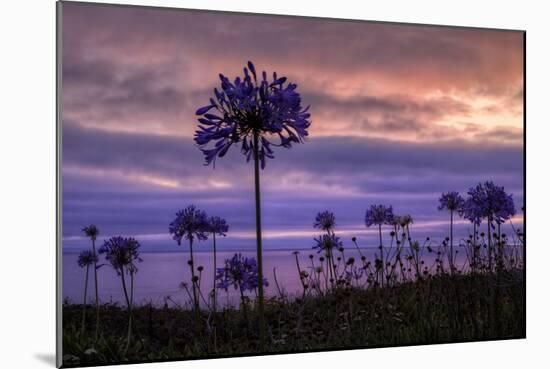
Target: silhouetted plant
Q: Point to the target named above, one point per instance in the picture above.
(122, 253)
(92, 232)
(494, 204)
(257, 114)
(85, 259)
(216, 226)
(379, 215)
(191, 223)
(453, 202)
(241, 273)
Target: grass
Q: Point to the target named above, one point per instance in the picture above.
(441, 308)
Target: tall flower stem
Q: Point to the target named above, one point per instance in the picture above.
(96, 293)
(451, 256)
(259, 241)
(490, 246)
(381, 254)
(129, 306)
(214, 280)
(193, 278)
(84, 303)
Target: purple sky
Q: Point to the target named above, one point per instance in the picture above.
(400, 114)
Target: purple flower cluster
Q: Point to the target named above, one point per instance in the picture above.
(379, 215)
(471, 211)
(121, 252)
(190, 223)
(490, 201)
(86, 257)
(91, 231)
(271, 109)
(239, 272)
(325, 221)
(327, 242)
(451, 201)
(217, 226)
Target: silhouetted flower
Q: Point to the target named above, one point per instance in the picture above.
(86, 258)
(239, 272)
(189, 223)
(272, 109)
(492, 202)
(325, 221)
(91, 231)
(379, 214)
(217, 225)
(121, 252)
(327, 242)
(451, 201)
(471, 211)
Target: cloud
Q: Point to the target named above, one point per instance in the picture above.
(400, 114)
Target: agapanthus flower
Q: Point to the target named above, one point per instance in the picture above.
(86, 257)
(239, 272)
(451, 201)
(217, 226)
(325, 221)
(379, 215)
(327, 242)
(121, 252)
(190, 223)
(492, 202)
(271, 109)
(471, 211)
(91, 231)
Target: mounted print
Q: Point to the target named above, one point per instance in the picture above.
(242, 184)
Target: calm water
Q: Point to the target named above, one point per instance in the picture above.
(160, 274)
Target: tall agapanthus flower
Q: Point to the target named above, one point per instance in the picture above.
(327, 243)
(217, 227)
(85, 259)
(379, 215)
(494, 204)
(325, 221)
(453, 202)
(472, 212)
(123, 254)
(92, 232)
(191, 223)
(258, 114)
(241, 273)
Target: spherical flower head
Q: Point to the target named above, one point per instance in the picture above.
(325, 221)
(239, 272)
(492, 202)
(379, 215)
(217, 225)
(471, 211)
(248, 105)
(451, 201)
(190, 223)
(121, 252)
(327, 242)
(86, 257)
(91, 231)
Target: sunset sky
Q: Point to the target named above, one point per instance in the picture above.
(400, 113)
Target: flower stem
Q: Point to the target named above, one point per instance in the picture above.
(84, 303)
(259, 241)
(96, 293)
(214, 280)
(194, 284)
